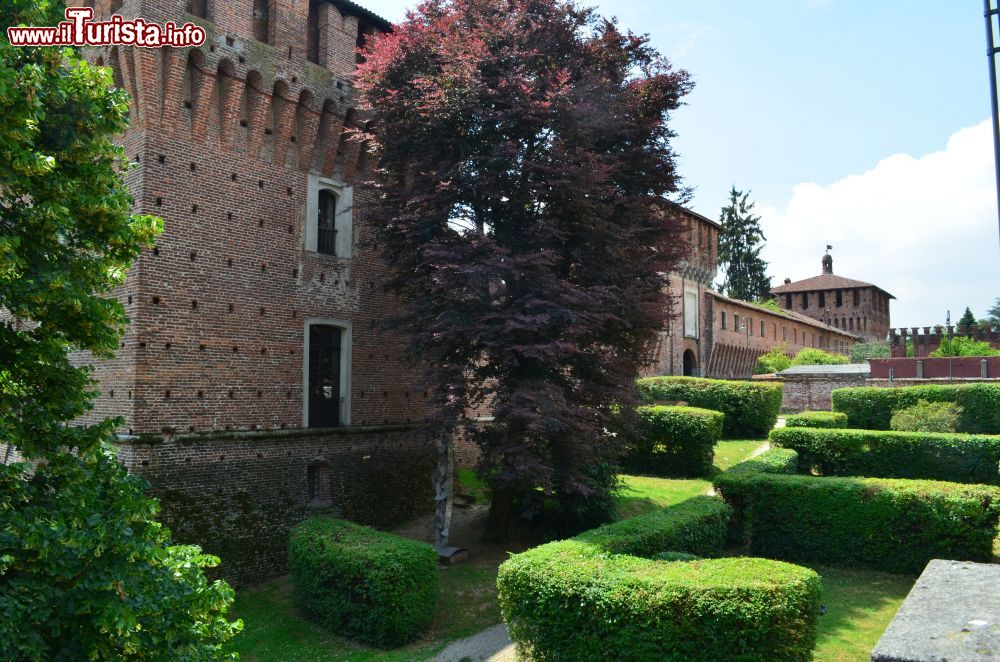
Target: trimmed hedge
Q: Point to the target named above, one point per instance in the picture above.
(884, 524)
(674, 441)
(960, 458)
(871, 407)
(587, 598)
(817, 419)
(361, 583)
(751, 408)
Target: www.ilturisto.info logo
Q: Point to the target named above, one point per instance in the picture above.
(78, 30)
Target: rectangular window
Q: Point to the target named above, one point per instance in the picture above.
(723, 319)
(328, 223)
(784, 333)
(857, 297)
(736, 322)
(762, 328)
(805, 300)
(691, 314)
(840, 298)
(788, 301)
(326, 374)
(822, 299)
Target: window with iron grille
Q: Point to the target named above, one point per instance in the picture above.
(326, 223)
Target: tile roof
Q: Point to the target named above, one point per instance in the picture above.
(823, 282)
(789, 314)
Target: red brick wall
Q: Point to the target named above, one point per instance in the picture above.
(812, 392)
(936, 368)
(225, 137)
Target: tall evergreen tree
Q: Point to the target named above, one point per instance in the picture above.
(86, 571)
(740, 243)
(523, 205)
(966, 321)
(993, 313)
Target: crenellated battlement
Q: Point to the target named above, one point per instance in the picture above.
(928, 338)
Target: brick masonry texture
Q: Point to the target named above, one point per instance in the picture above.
(812, 392)
(225, 138)
(238, 495)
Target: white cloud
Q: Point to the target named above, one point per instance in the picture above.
(923, 228)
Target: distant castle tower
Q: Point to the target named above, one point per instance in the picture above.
(851, 305)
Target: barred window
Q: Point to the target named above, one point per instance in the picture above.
(326, 223)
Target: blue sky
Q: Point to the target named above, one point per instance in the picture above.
(855, 123)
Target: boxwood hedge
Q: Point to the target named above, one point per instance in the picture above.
(674, 441)
(884, 524)
(750, 408)
(594, 597)
(872, 407)
(960, 458)
(361, 583)
(817, 419)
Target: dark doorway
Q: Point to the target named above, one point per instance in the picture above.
(690, 363)
(324, 376)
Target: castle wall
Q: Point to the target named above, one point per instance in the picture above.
(238, 495)
(233, 140)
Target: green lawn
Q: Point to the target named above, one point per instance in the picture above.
(642, 493)
(859, 604)
(274, 630)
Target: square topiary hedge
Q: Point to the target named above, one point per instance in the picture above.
(817, 419)
(871, 407)
(883, 524)
(674, 441)
(594, 597)
(960, 458)
(364, 584)
(750, 408)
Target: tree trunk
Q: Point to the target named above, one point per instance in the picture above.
(498, 521)
(443, 492)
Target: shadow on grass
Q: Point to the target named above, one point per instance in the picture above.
(859, 606)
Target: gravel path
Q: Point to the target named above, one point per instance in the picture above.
(490, 645)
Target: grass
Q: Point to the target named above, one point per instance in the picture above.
(275, 630)
(859, 603)
(643, 493)
(859, 606)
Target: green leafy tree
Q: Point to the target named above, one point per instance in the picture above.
(993, 314)
(86, 572)
(964, 346)
(740, 243)
(861, 352)
(775, 359)
(966, 321)
(813, 356)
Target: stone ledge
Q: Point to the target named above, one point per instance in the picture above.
(952, 613)
(241, 435)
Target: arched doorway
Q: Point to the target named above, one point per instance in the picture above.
(690, 363)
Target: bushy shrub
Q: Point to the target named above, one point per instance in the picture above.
(964, 346)
(817, 419)
(883, 524)
(674, 441)
(927, 417)
(592, 597)
(813, 356)
(696, 526)
(960, 458)
(361, 583)
(871, 408)
(750, 408)
(775, 359)
(675, 556)
(861, 352)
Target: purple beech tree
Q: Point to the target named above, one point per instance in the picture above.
(523, 203)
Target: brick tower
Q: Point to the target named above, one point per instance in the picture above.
(255, 386)
(851, 305)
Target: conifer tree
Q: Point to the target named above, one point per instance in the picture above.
(740, 243)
